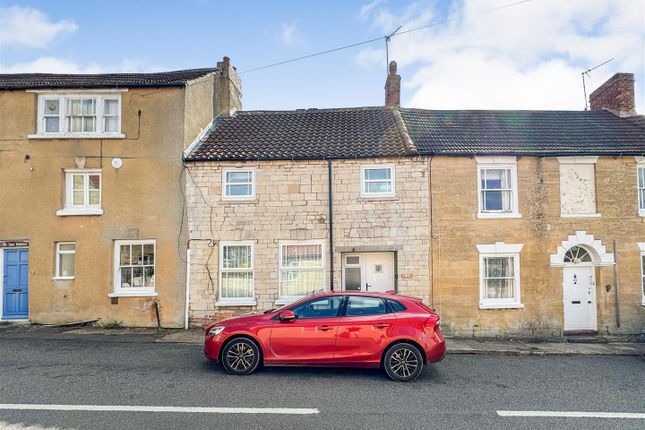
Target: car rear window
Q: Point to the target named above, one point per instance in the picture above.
(396, 306)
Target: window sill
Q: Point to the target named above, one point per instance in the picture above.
(76, 136)
(239, 200)
(501, 306)
(224, 303)
(493, 215)
(76, 212)
(133, 294)
(384, 197)
(63, 278)
(580, 215)
(641, 213)
(284, 301)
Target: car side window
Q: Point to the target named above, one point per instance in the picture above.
(324, 307)
(361, 306)
(396, 306)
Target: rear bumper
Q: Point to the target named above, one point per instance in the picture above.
(437, 351)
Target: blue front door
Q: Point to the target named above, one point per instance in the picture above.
(15, 293)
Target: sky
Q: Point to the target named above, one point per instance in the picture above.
(529, 55)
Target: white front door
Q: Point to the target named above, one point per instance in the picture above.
(579, 298)
(368, 271)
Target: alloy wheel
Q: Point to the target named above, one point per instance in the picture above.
(240, 357)
(404, 363)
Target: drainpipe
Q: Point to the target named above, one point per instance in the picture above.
(331, 225)
(616, 285)
(187, 295)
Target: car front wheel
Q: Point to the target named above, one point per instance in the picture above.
(240, 356)
(403, 362)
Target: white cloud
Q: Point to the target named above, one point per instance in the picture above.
(529, 56)
(61, 65)
(367, 9)
(289, 35)
(26, 26)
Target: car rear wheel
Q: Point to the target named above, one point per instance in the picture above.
(403, 362)
(240, 356)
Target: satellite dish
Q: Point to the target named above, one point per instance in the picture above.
(117, 163)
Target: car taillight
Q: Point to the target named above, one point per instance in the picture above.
(433, 321)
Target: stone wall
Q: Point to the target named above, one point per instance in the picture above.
(292, 204)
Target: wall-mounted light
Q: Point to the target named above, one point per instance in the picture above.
(117, 163)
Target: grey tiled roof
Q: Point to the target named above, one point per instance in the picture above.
(379, 132)
(524, 132)
(304, 134)
(175, 78)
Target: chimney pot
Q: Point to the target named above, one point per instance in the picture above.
(393, 87)
(615, 95)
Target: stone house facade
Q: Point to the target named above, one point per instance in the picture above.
(508, 223)
(91, 200)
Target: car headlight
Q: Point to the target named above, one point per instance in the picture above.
(216, 330)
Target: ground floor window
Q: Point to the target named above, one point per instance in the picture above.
(302, 269)
(65, 260)
(642, 247)
(499, 269)
(236, 273)
(134, 267)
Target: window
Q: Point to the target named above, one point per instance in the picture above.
(396, 306)
(641, 245)
(134, 268)
(499, 273)
(377, 181)
(79, 115)
(361, 306)
(236, 280)
(65, 260)
(578, 187)
(497, 187)
(641, 188)
(302, 270)
(238, 184)
(82, 193)
(325, 307)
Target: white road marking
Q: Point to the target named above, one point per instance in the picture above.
(562, 414)
(172, 409)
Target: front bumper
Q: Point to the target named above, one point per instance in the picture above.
(212, 347)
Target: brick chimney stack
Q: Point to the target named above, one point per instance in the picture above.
(227, 91)
(393, 87)
(616, 95)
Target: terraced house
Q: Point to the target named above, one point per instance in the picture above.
(91, 187)
(526, 223)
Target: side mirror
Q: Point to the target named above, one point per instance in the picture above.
(288, 315)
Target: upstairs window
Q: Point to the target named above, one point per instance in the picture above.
(79, 115)
(578, 187)
(238, 184)
(82, 193)
(497, 187)
(641, 189)
(377, 181)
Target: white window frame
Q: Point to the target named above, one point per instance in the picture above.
(641, 245)
(238, 170)
(640, 164)
(286, 300)
(581, 160)
(500, 250)
(63, 130)
(499, 163)
(60, 252)
(235, 301)
(86, 209)
(392, 180)
(119, 291)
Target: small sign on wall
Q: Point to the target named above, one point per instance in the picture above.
(12, 244)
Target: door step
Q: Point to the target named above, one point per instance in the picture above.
(585, 339)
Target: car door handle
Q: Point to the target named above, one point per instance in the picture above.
(325, 328)
(381, 325)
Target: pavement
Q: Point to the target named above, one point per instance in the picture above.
(514, 347)
(85, 378)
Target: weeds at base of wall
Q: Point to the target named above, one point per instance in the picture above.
(112, 325)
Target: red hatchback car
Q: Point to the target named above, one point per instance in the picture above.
(350, 329)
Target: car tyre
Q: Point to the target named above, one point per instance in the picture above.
(240, 356)
(403, 362)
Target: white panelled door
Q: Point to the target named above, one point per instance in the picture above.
(368, 271)
(579, 298)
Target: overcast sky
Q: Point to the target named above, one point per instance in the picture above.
(526, 56)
